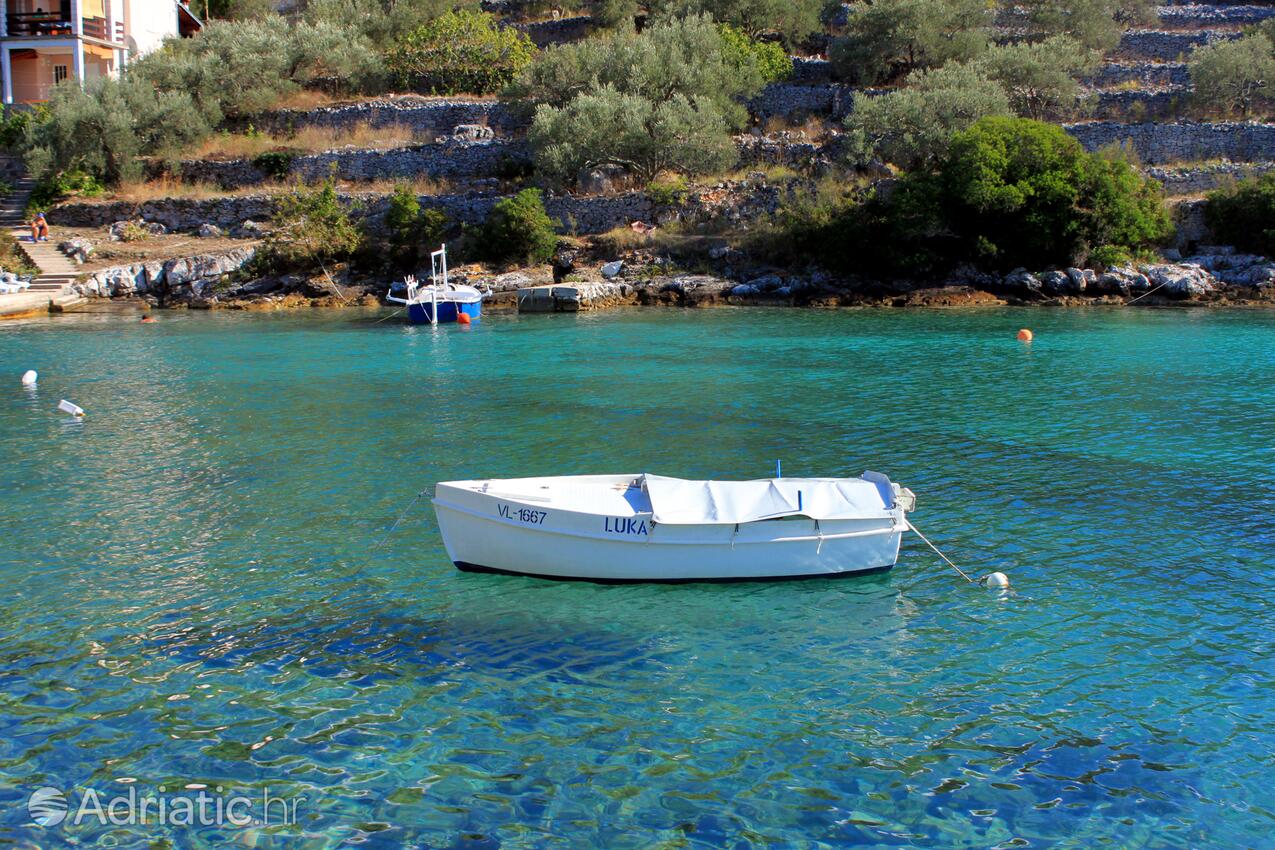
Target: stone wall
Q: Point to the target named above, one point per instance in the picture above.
(1142, 104)
(787, 100)
(561, 31)
(452, 158)
(576, 214)
(1163, 46)
(181, 277)
(422, 115)
(1205, 178)
(1211, 14)
(1147, 75)
(1185, 141)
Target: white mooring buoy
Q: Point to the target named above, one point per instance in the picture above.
(996, 581)
(73, 409)
(29, 377)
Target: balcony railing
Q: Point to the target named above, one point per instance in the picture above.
(54, 24)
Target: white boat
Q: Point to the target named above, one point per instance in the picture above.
(640, 528)
(440, 300)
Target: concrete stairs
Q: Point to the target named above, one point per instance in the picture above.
(57, 272)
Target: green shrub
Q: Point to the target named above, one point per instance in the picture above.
(1009, 192)
(609, 127)
(412, 231)
(382, 22)
(912, 127)
(767, 59)
(56, 187)
(685, 56)
(133, 232)
(460, 52)
(1041, 78)
(102, 129)
(668, 191)
(237, 69)
(519, 229)
(889, 39)
(791, 20)
(13, 127)
(1095, 24)
(1244, 215)
(275, 164)
(310, 228)
(1234, 76)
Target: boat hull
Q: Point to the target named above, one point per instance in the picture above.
(421, 313)
(485, 533)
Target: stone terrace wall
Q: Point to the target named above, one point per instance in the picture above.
(1162, 46)
(581, 214)
(1161, 144)
(420, 114)
(452, 158)
(1212, 14)
(789, 99)
(1195, 181)
(1143, 74)
(561, 31)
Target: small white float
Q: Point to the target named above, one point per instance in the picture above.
(29, 377)
(648, 528)
(67, 407)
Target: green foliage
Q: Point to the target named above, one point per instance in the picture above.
(911, 127)
(133, 232)
(766, 59)
(276, 164)
(13, 127)
(237, 10)
(668, 191)
(889, 39)
(519, 229)
(1009, 192)
(646, 137)
(1026, 194)
(57, 186)
(383, 22)
(662, 99)
(685, 56)
(12, 258)
(461, 51)
(1244, 216)
(311, 228)
(791, 20)
(102, 129)
(1096, 24)
(1041, 78)
(235, 69)
(1235, 76)
(412, 231)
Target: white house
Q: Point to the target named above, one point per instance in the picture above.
(81, 39)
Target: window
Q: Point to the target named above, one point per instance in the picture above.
(59, 73)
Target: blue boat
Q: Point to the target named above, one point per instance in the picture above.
(440, 300)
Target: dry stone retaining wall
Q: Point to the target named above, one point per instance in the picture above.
(450, 159)
(423, 115)
(1185, 141)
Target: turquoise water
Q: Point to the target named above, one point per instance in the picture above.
(193, 597)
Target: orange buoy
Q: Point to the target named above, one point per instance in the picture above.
(1025, 335)
(462, 318)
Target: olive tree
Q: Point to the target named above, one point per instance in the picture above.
(888, 39)
(609, 127)
(1096, 24)
(1041, 78)
(1235, 75)
(912, 127)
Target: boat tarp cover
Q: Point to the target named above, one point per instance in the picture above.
(678, 502)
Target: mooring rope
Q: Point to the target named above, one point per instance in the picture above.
(940, 554)
(401, 517)
(1143, 295)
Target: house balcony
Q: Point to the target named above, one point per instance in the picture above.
(57, 25)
